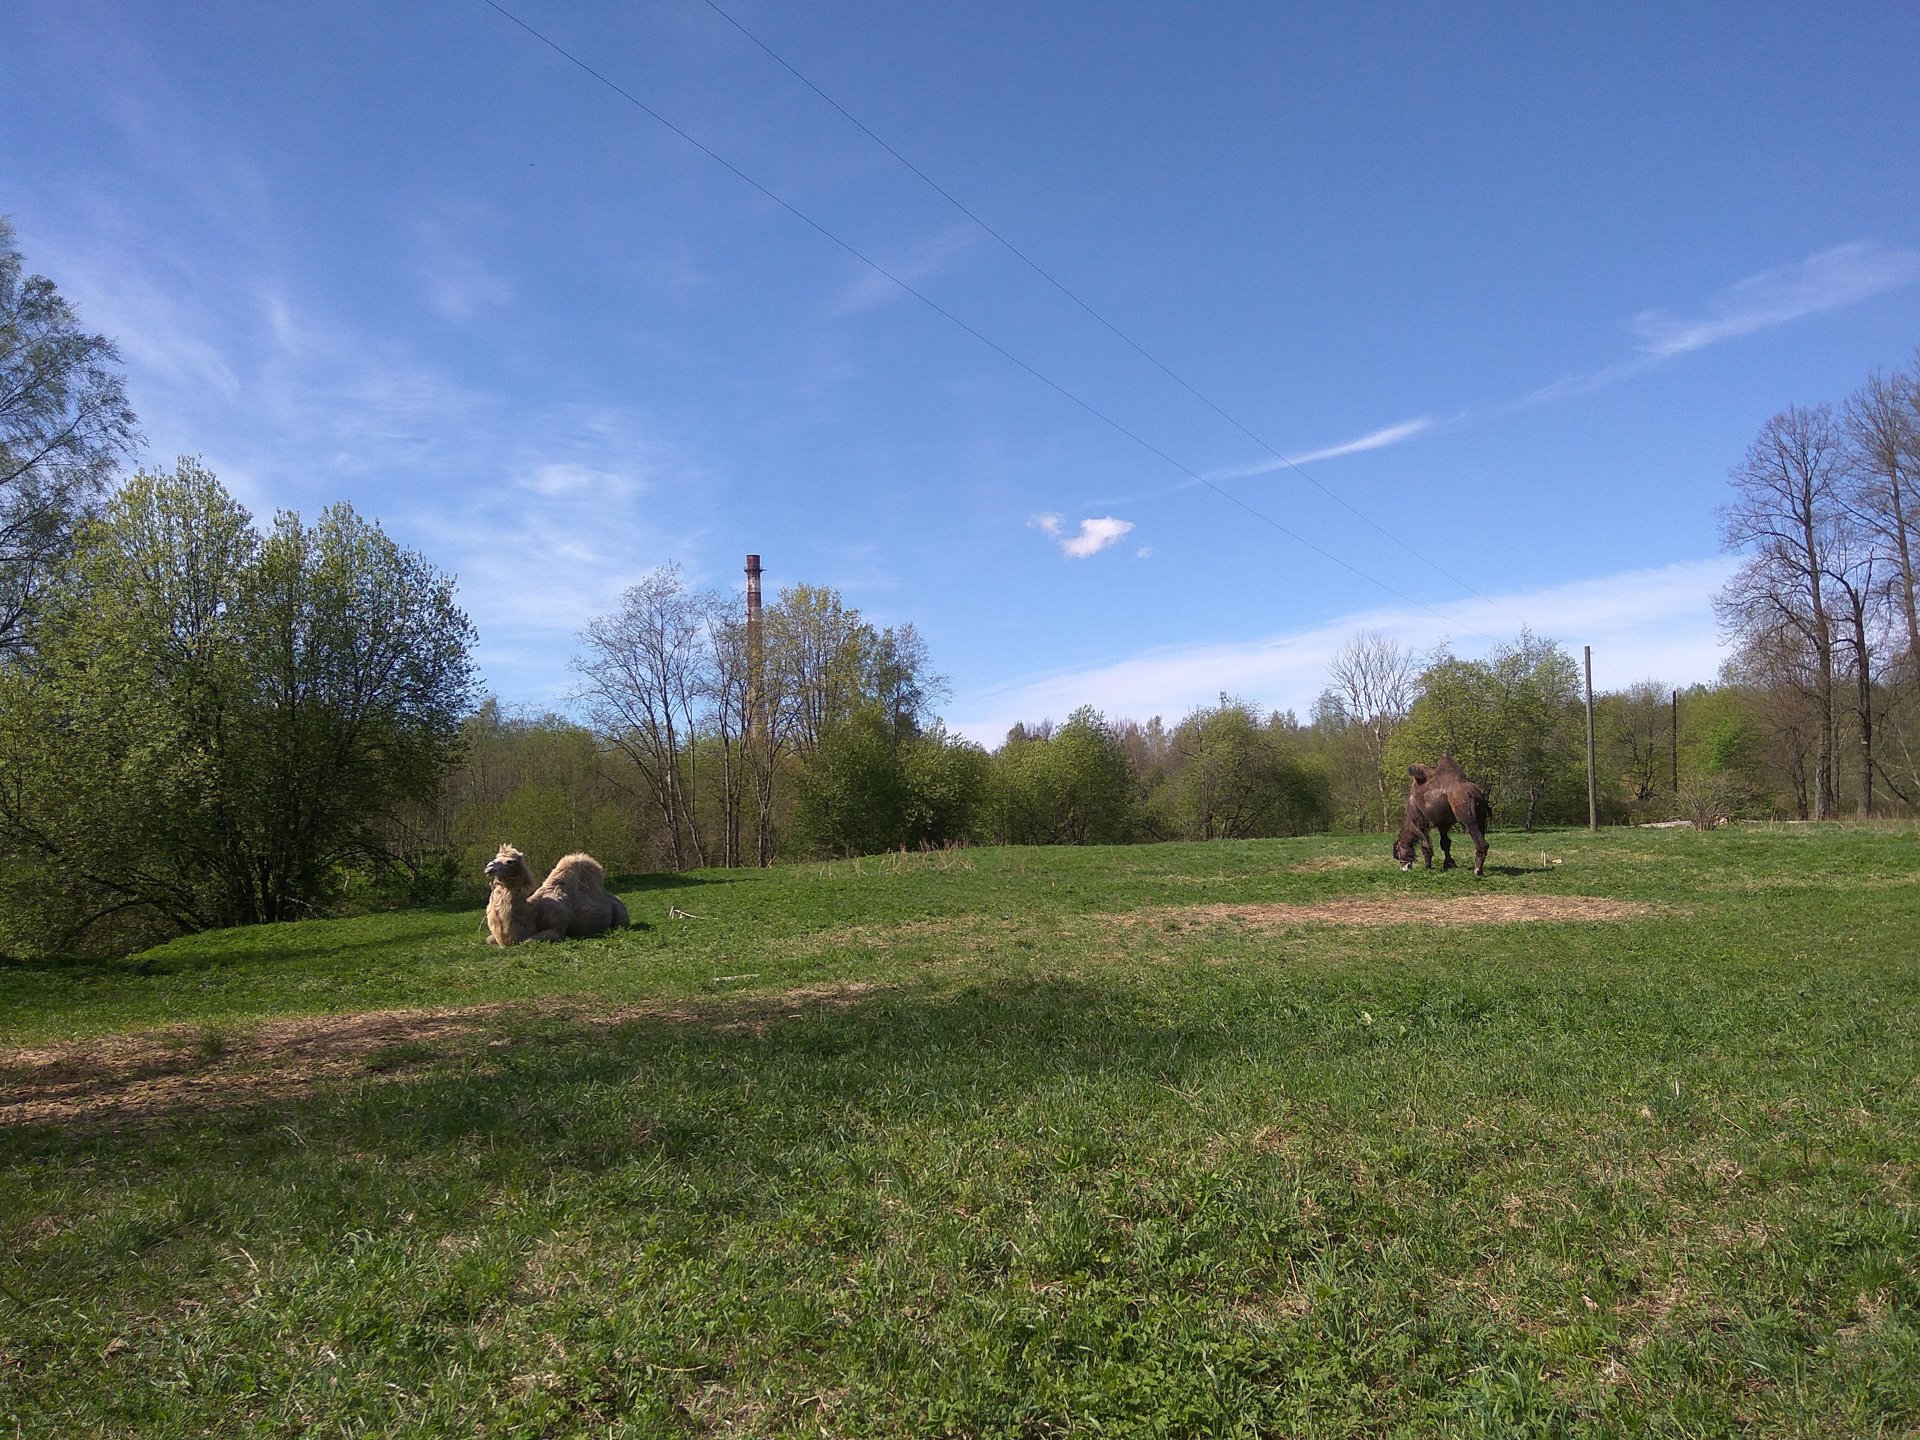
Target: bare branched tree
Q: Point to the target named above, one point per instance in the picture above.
(645, 673)
(1785, 512)
(1638, 735)
(1376, 680)
(1883, 432)
(730, 701)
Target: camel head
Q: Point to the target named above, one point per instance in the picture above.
(509, 869)
(1403, 849)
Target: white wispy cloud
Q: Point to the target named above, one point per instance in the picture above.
(537, 508)
(457, 283)
(1091, 538)
(870, 289)
(569, 480)
(1841, 276)
(460, 287)
(1373, 440)
(1828, 280)
(1641, 623)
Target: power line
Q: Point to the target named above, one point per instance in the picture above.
(1120, 334)
(947, 314)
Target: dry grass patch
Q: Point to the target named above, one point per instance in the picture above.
(1336, 862)
(155, 1071)
(1400, 910)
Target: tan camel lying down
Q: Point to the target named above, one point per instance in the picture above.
(573, 900)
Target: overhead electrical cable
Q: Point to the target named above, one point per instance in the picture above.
(985, 340)
(1120, 334)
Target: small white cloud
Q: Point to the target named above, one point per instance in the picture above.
(1826, 281)
(1143, 552)
(1094, 536)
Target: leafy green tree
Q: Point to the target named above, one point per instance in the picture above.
(1231, 777)
(1456, 713)
(945, 781)
(1070, 786)
(850, 793)
(1514, 722)
(860, 793)
(900, 681)
(216, 726)
(820, 658)
(357, 660)
(542, 782)
(64, 428)
(117, 794)
(1542, 720)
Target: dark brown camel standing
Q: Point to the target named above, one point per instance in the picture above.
(1443, 796)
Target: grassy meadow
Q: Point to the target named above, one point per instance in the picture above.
(1234, 1139)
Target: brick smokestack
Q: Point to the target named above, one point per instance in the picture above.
(756, 651)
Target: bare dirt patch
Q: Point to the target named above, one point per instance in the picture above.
(155, 1071)
(1400, 910)
(1335, 862)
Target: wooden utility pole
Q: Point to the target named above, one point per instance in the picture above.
(1593, 792)
(759, 739)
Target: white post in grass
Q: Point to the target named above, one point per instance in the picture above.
(1593, 794)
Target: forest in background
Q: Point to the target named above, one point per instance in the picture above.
(204, 722)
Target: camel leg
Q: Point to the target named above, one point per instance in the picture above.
(1473, 822)
(1479, 838)
(548, 935)
(1446, 849)
(1426, 848)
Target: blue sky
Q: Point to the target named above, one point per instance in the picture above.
(1516, 283)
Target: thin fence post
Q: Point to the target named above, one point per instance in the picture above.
(1593, 793)
(1676, 747)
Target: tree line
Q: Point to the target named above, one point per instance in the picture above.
(1823, 609)
(205, 721)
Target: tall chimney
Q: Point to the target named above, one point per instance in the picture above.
(756, 651)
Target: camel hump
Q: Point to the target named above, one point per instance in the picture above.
(578, 871)
(1419, 773)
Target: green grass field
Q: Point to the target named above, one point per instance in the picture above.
(1191, 1140)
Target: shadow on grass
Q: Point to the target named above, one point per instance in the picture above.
(528, 1093)
(191, 954)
